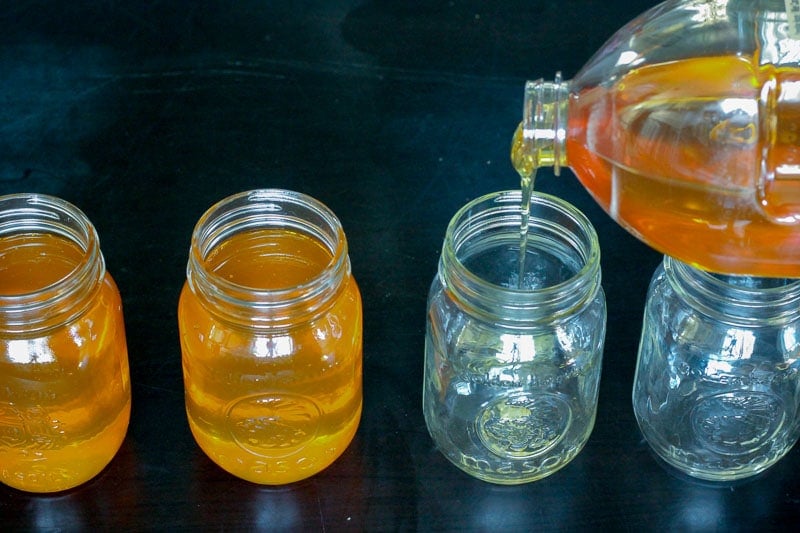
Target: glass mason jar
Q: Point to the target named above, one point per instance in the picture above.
(512, 368)
(270, 323)
(717, 384)
(65, 396)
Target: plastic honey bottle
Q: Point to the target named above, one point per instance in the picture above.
(685, 128)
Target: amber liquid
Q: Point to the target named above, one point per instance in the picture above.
(279, 405)
(524, 162)
(65, 393)
(676, 152)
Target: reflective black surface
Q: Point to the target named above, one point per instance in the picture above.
(392, 113)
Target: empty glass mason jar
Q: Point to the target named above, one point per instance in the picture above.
(717, 384)
(512, 364)
(65, 396)
(270, 324)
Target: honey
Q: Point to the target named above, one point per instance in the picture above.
(273, 382)
(65, 396)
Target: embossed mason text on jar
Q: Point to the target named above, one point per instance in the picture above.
(270, 323)
(717, 384)
(514, 339)
(65, 396)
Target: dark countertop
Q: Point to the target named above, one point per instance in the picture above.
(392, 113)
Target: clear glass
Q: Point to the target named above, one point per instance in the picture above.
(512, 369)
(717, 384)
(270, 322)
(683, 127)
(65, 396)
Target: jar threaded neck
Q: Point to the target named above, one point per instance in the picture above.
(271, 209)
(555, 227)
(733, 298)
(57, 302)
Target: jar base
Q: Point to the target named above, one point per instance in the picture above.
(314, 457)
(513, 474)
(57, 469)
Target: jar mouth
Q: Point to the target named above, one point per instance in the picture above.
(735, 298)
(266, 209)
(564, 240)
(63, 298)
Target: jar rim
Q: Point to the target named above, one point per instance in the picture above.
(266, 208)
(522, 304)
(738, 298)
(39, 213)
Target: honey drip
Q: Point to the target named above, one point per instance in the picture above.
(523, 158)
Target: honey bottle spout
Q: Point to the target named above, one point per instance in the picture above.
(540, 140)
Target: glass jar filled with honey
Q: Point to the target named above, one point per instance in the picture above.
(65, 395)
(271, 334)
